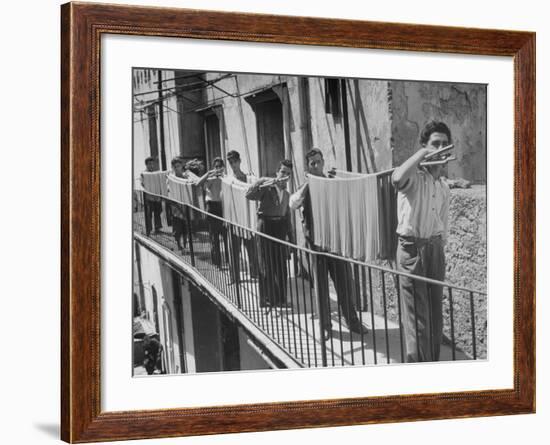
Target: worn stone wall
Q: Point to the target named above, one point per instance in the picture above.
(466, 256)
(369, 121)
(466, 249)
(461, 106)
(327, 132)
(385, 119)
(370, 124)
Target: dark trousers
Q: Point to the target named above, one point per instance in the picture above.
(179, 227)
(421, 303)
(341, 274)
(250, 244)
(153, 210)
(216, 231)
(272, 261)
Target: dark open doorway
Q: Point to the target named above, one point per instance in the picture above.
(269, 123)
(211, 137)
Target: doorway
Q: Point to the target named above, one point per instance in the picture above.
(211, 138)
(268, 109)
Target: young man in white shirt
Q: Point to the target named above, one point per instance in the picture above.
(423, 214)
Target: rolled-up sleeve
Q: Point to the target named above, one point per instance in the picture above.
(295, 201)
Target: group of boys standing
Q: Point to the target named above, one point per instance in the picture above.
(422, 207)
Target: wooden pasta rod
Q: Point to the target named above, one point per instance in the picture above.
(439, 152)
(438, 161)
(274, 181)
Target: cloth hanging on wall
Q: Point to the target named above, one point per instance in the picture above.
(155, 182)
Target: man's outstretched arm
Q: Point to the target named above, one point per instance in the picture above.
(402, 173)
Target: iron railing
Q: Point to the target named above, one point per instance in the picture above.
(249, 268)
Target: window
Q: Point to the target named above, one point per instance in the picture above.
(332, 97)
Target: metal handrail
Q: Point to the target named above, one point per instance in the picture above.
(251, 271)
(317, 252)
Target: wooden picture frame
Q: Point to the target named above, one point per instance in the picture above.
(82, 26)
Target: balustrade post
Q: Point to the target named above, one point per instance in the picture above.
(190, 235)
(320, 306)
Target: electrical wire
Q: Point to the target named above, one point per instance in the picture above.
(144, 104)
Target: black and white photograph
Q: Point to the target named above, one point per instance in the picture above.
(285, 222)
(275, 222)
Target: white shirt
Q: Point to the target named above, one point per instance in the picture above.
(296, 200)
(423, 206)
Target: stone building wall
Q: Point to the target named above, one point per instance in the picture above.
(466, 249)
(466, 256)
(461, 106)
